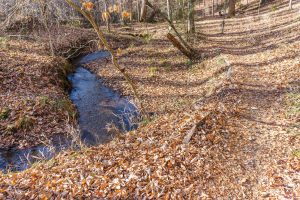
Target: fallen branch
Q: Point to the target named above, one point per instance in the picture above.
(189, 134)
(193, 130)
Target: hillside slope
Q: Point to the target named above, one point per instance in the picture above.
(242, 104)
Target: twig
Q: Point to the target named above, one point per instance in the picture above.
(190, 134)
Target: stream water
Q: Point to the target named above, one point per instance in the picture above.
(99, 109)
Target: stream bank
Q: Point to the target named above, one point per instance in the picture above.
(101, 112)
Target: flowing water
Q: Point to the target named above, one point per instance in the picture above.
(100, 109)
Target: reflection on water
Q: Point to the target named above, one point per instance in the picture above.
(98, 106)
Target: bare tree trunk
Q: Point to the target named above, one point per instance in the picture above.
(121, 11)
(107, 21)
(169, 9)
(138, 10)
(212, 8)
(191, 16)
(144, 10)
(231, 11)
(130, 10)
(204, 8)
(259, 6)
(291, 4)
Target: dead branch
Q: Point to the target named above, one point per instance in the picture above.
(189, 135)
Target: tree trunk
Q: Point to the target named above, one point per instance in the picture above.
(130, 10)
(169, 9)
(231, 11)
(144, 10)
(213, 8)
(138, 10)
(121, 11)
(204, 8)
(107, 21)
(170, 13)
(191, 16)
(186, 45)
(291, 4)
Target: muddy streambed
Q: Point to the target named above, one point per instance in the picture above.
(100, 109)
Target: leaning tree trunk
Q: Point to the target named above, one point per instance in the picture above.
(191, 16)
(181, 40)
(231, 11)
(188, 53)
(144, 11)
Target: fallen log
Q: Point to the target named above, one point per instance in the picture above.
(179, 46)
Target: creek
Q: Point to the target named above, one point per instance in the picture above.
(100, 109)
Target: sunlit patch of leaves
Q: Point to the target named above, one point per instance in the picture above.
(3, 42)
(273, 8)
(296, 153)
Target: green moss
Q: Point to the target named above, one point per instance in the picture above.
(4, 114)
(65, 69)
(43, 100)
(293, 105)
(65, 105)
(147, 37)
(24, 123)
(273, 8)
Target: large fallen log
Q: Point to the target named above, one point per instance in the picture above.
(179, 46)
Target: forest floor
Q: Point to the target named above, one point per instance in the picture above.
(242, 103)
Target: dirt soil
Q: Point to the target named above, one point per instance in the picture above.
(242, 105)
